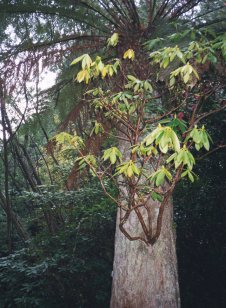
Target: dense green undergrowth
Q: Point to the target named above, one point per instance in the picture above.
(69, 269)
(73, 267)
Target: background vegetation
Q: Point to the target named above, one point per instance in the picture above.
(57, 240)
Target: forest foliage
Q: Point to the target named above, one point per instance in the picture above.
(60, 153)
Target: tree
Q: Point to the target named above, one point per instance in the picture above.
(137, 217)
(132, 23)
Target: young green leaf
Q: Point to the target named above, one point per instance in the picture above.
(156, 197)
(160, 178)
(112, 154)
(77, 60)
(86, 61)
(113, 40)
(190, 176)
(129, 54)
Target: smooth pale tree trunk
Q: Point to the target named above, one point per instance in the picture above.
(146, 276)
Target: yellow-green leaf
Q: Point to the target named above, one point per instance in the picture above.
(130, 171)
(129, 54)
(176, 142)
(86, 61)
(75, 61)
(160, 178)
(186, 77)
(113, 40)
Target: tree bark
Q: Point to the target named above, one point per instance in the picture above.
(15, 219)
(6, 169)
(146, 276)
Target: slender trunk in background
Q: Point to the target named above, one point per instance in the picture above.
(6, 170)
(15, 219)
(54, 219)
